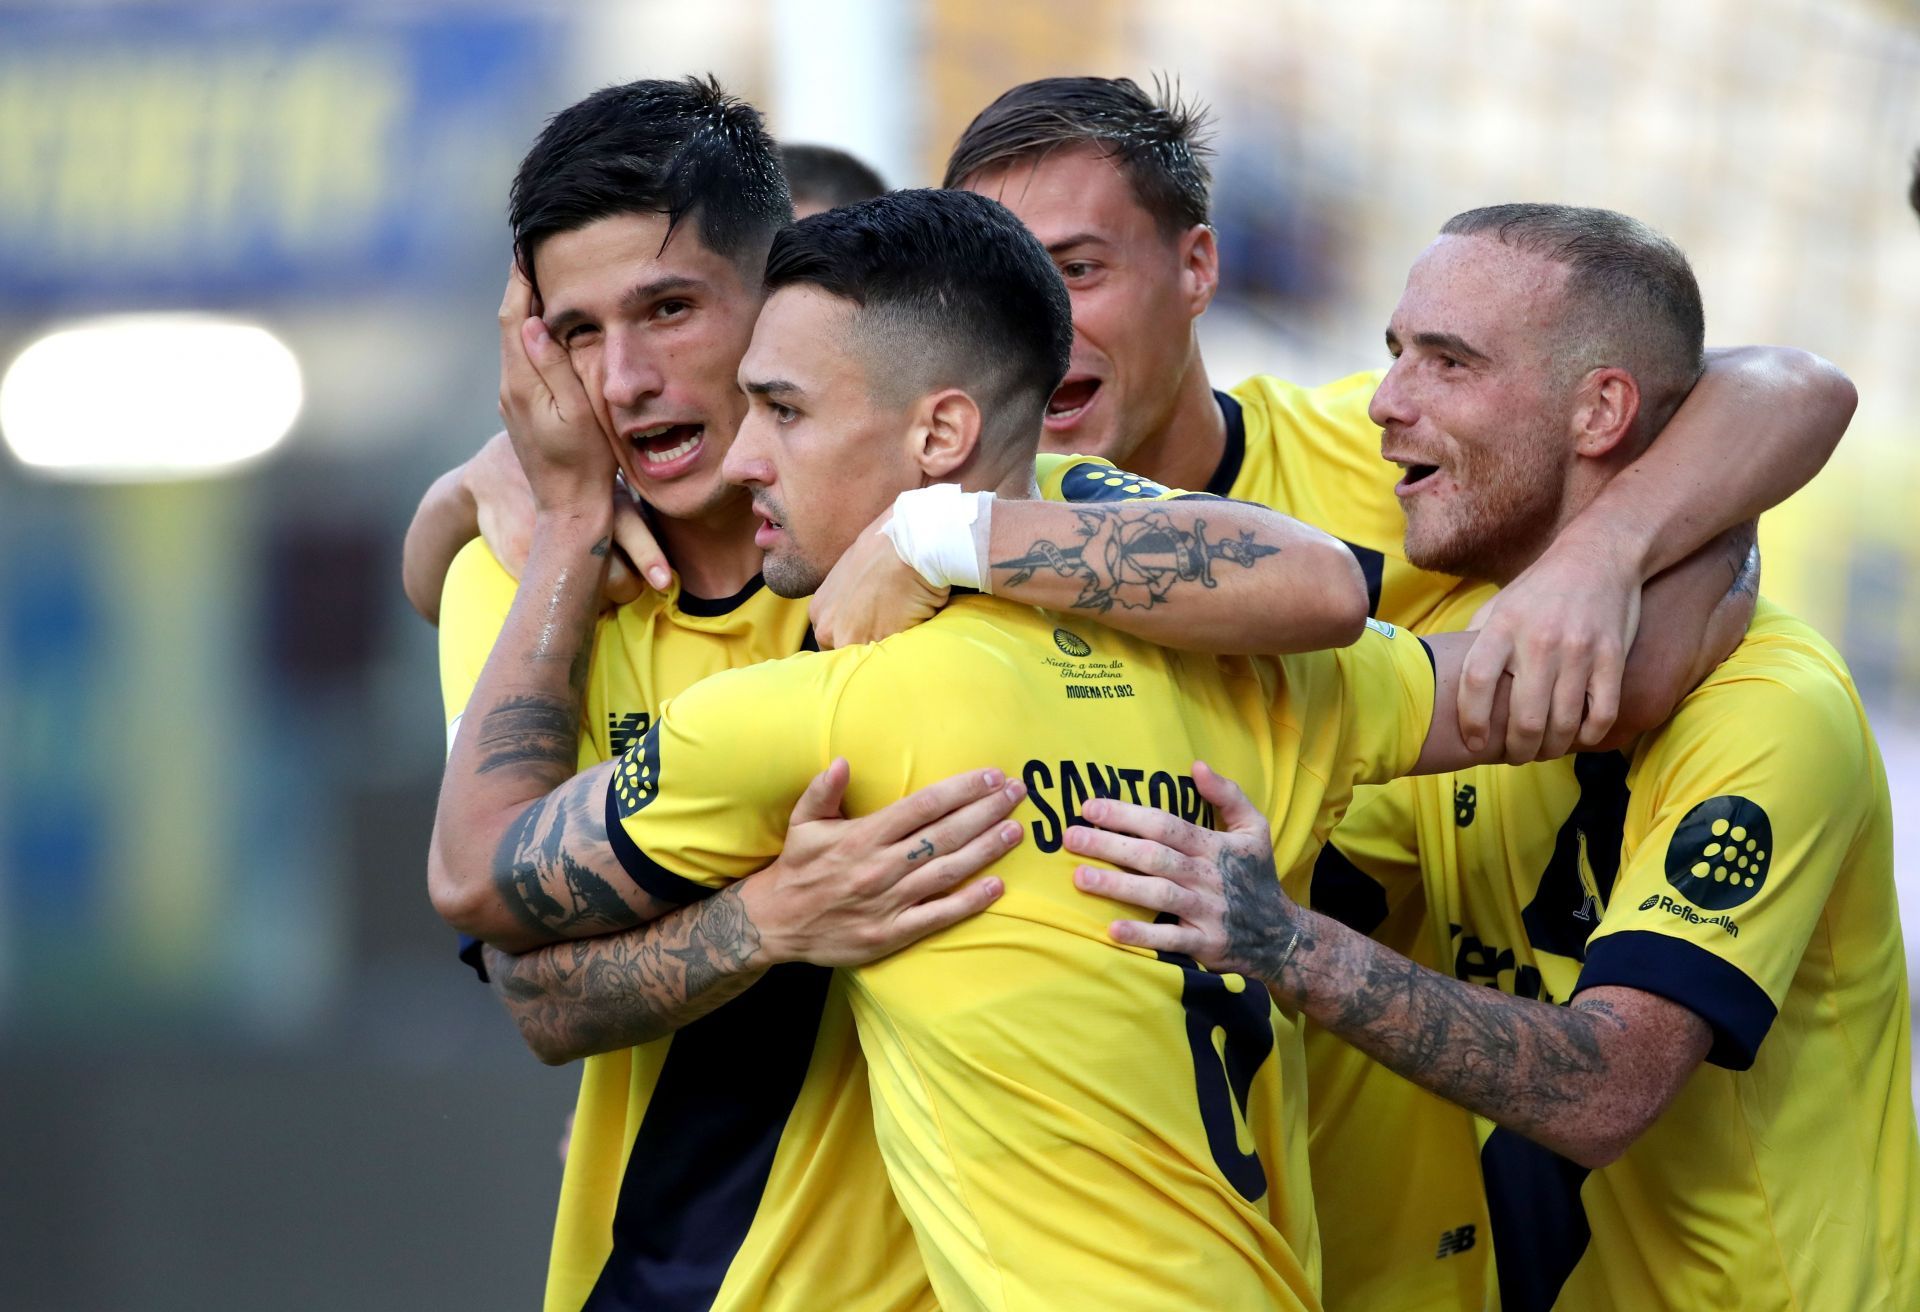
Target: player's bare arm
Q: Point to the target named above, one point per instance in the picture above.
(842, 893)
(1562, 628)
(1202, 574)
(520, 855)
(1584, 1080)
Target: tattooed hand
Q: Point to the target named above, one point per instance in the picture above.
(871, 593)
(1584, 1080)
(1218, 894)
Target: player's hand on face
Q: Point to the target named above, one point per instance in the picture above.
(563, 451)
(871, 593)
(1220, 887)
(1562, 630)
(847, 892)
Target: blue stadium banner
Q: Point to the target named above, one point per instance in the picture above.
(154, 153)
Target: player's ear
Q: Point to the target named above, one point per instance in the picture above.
(1199, 267)
(1605, 406)
(946, 434)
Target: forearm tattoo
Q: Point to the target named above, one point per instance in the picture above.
(598, 995)
(1517, 1061)
(1132, 556)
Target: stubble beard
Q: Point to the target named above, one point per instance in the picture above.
(1505, 512)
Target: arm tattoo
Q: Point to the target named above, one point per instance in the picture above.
(1514, 1060)
(1525, 1064)
(536, 731)
(596, 995)
(540, 878)
(1133, 556)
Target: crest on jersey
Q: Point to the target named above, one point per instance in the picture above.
(1721, 852)
(636, 780)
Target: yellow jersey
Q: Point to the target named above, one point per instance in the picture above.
(687, 1185)
(1739, 862)
(1064, 1120)
(1396, 1178)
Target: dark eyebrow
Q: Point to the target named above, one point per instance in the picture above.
(632, 299)
(771, 387)
(1452, 344)
(1065, 244)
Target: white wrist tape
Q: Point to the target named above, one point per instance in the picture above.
(943, 533)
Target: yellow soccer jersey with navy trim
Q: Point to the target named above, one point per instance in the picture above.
(1740, 864)
(1066, 1122)
(1396, 1177)
(669, 1200)
(698, 1161)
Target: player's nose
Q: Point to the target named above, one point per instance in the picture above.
(1392, 406)
(631, 378)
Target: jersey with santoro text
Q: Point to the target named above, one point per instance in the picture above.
(1738, 862)
(1066, 1122)
(1396, 1180)
(731, 1165)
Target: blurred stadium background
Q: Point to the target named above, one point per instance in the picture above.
(238, 1064)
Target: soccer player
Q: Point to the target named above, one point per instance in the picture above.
(823, 177)
(722, 1199)
(1114, 182)
(1693, 1063)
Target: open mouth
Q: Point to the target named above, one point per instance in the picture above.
(1070, 400)
(666, 447)
(1414, 475)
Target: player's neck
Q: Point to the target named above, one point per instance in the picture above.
(713, 553)
(1185, 450)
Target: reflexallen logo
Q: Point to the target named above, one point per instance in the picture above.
(1071, 643)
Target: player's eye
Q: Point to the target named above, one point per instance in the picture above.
(1073, 270)
(1448, 362)
(672, 309)
(782, 414)
(579, 333)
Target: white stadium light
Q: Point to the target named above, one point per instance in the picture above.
(137, 398)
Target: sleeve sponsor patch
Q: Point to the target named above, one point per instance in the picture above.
(1103, 482)
(636, 781)
(1720, 854)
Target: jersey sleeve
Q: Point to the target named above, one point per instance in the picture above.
(703, 799)
(1760, 789)
(474, 602)
(1089, 478)
(1362, 711)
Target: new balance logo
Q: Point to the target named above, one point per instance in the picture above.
(1464, 800)
(1455, 1241)
(623, 731)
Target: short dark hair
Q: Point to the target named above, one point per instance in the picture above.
(953, 287)
(657, 146)
(1160, 141)
(828, 175)
(1631, 296)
